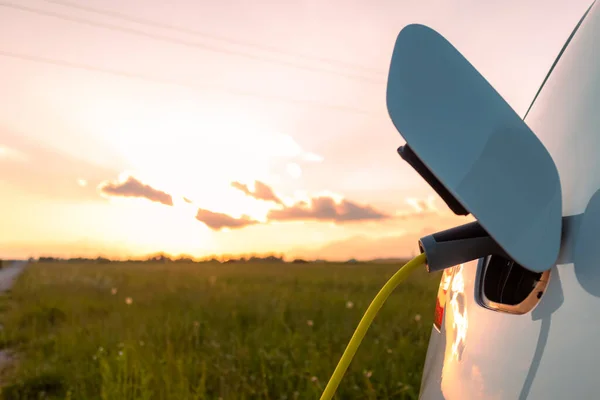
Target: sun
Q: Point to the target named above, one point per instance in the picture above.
(193, 153)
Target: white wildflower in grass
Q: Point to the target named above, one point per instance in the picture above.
(120, 353)
(113, 290)
(349, 304)
(418, 317)
(368, 374)
(314, 379)
(309, 322)
(128, 300)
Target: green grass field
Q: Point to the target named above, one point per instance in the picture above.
(211, 331)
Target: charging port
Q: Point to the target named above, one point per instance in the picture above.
(504, 285)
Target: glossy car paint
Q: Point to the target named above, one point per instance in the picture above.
(552, 351)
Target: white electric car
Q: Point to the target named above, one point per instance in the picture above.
(522, 322)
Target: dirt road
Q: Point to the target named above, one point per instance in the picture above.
(8, 275)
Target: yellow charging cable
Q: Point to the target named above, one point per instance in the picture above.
(365, 322)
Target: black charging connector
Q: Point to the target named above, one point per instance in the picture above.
(458, 245)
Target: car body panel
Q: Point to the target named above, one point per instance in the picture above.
(551, 351)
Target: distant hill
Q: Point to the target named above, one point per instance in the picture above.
(374, 249)
(389, 260)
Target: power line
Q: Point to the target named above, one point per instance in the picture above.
(169, 82)
(169, 39)
(181, 29)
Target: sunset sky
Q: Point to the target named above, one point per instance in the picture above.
(130, 127)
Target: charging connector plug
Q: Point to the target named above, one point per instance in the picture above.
(458, 245)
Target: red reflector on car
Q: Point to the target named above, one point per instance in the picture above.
(438, 316)
(440, 304)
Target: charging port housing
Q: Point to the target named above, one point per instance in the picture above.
(505, 286)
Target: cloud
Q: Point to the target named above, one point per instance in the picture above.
(423, 205)
(11, 154)
(287, 147)
(420, 208)
(132, 187)
(218, 221)
(294, 170)
(326, 209)
(312, 157)
(261, 191)
(49, 172)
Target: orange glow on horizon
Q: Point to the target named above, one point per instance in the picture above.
(188, 120)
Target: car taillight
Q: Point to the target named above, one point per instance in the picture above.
(439, 315)
(440, 304)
